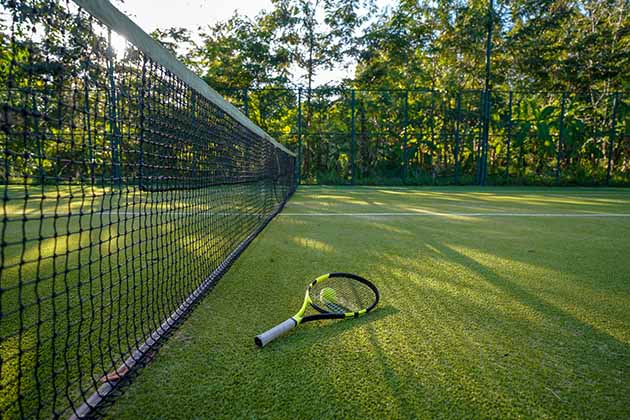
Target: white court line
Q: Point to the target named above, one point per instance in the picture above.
(497, 191)
(439, 214)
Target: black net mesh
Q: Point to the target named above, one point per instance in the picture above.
(125, 194)
(341, 295)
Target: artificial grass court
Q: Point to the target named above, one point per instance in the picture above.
(504, 303)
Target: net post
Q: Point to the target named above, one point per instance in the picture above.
(352, 136)
(560, 137)
(611, 137)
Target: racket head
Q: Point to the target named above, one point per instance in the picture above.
(342, 295)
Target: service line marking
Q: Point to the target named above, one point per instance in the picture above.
(456, 214)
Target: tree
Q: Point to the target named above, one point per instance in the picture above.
(240, 53)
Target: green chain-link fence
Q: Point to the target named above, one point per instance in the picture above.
(430, 137)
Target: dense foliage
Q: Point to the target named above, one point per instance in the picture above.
(557, 101)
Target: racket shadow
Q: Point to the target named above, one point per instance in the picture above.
(321, 331)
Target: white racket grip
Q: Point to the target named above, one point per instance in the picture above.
(262, 339)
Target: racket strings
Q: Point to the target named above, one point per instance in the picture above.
(342, 295)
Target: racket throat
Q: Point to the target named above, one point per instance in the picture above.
(336, 308)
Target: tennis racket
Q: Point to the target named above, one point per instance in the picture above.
(334, 296)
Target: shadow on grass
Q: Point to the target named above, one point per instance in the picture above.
(521, 295)
(327, 330)
(574, 366)
(583, 359)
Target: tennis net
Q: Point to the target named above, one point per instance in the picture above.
(129, 187)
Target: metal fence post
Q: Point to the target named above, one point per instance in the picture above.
(88, 129)
(560, 137)
(299, 137)
(479, 151)
(246, 102)
(458, 109)
(113, 117)
(443, 136)
(352, 138)
(141, 124)
(611, 141)
(486, 135)
(508, 158)
(432, 135)
(405, 134)
(193, 122)
(488, 97)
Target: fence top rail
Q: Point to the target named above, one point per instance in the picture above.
(419, 90)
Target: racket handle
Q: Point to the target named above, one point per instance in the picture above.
(262, 339)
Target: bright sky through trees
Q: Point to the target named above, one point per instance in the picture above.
(191, 14)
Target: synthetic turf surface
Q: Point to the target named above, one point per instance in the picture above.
(481, 316)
